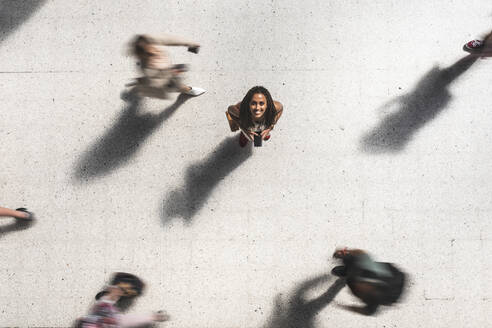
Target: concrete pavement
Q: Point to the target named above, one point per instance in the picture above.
(227, 237)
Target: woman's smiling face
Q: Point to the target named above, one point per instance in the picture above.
(258, 106)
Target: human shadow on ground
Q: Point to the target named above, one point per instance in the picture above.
(17, 225)
(123, 140)
(201, 179)
(14, 12)
(299, 312)
(415, 109)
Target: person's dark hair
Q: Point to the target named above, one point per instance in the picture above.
(246, 121)
(139, 44)
(137, 284)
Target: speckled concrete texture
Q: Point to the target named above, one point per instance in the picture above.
(384, 145)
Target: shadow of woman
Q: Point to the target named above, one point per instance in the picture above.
(14, 12)
(298, 312)
(123, 140)
(415, 109)
(201, 179)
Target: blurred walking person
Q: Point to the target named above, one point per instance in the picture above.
(160, 76)
(375, 283)
(106, 312)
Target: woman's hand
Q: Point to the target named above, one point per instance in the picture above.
(249, 134)
(265, 133)
(252, 135)
(340, 253)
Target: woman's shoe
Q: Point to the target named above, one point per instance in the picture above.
(195, 92)
(30, 215)
(243, 141)
(473, 45)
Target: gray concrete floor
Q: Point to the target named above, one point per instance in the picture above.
(224, 237)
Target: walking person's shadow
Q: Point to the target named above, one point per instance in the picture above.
(201, 179)
(17, 225)
(298, 311)
(123, 140)
(14, 12)
(415, 109)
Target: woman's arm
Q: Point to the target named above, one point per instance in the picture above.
(234, 109)
(138, 320)
(172, 40)
(280, 108)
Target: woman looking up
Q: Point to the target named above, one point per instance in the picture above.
(255, 115)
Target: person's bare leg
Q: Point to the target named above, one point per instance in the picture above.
(13, 213)
(184, 88)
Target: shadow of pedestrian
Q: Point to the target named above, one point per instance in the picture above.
(298, 312)
(123, 140)
(415, 109)
(201, 179)
(14, 12)
(17, 225)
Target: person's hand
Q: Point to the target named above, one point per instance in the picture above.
(340, 253)
(252, 134)
(248, 134)
(265, 133)
(161, 316)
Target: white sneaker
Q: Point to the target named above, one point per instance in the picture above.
(195, 92)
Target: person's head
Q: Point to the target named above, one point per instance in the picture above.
(123, 285)
(120, 290)
(258, 106)
(143, 48)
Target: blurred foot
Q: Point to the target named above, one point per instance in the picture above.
(243, 141)
(161, 316)
(28, 215)
(474, 45)
(195, 92)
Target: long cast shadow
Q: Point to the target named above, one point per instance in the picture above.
(201, 179)
(123, 140)
(14, 12)
(17, 225)
(415, 109)
(298, 312)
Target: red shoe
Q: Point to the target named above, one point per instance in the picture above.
(243, 141)
(474, 45)
(267, 138)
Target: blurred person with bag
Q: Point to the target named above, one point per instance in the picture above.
(106, 312)
(375, 283)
